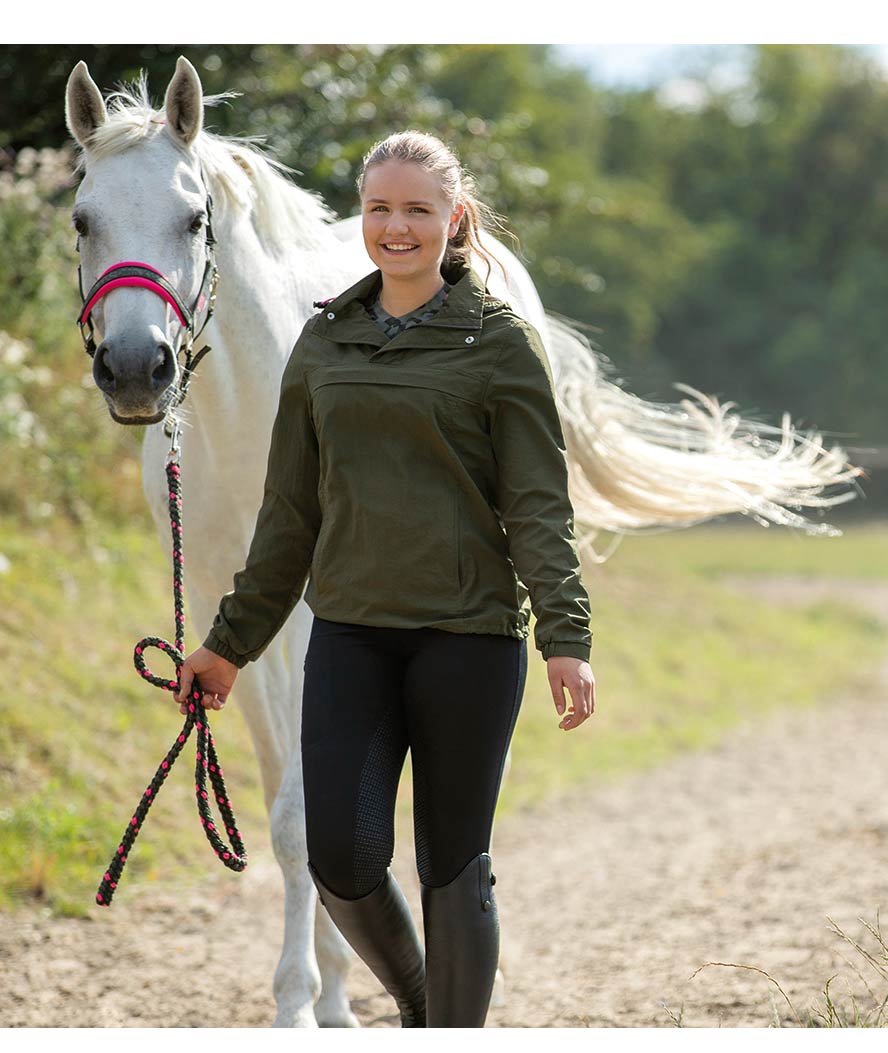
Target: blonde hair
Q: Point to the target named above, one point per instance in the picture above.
(456, 184)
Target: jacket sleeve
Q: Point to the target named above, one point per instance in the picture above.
(532, 493)
(279, 559)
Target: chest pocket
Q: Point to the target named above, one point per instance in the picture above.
(458, 384)
(418, 402)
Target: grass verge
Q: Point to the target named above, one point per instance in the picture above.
(81, 733)
(678, 660)
(679, 657)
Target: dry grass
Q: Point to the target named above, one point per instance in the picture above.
(862, 1004)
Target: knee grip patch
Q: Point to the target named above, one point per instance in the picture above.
(374, 818)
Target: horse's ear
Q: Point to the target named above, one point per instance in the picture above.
(184, 102)
(84, 106)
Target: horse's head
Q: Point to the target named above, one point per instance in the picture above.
(142, 200)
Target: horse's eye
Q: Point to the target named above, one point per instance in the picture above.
(80, 225)
(196, 225)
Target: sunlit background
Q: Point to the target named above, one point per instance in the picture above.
(715, 215)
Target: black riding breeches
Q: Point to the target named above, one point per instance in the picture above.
(370, 694)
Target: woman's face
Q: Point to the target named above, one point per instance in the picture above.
(406, 220)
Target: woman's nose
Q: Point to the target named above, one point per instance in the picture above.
(396, 224)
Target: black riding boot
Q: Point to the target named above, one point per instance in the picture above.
(462, 946)
(380, 929)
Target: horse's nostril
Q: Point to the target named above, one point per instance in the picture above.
(103, 376)
(163, 373)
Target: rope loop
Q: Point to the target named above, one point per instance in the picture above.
(233, 855)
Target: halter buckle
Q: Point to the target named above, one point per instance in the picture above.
(171, 428)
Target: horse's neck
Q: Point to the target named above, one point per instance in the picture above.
(261, 307)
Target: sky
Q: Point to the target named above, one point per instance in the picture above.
(645, 65)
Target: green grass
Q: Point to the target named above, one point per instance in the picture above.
(744, 548)
(678, 659)
(81, 733)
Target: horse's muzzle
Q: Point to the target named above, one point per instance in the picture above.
(138, 384)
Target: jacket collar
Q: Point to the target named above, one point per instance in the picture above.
(345, 318)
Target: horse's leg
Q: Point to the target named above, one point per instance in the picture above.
(264, 692)
(309, 981)
(334, 955)
(297, 979)
(334, 959)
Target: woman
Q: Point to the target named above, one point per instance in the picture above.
(417, 470)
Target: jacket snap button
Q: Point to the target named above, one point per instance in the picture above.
(487, 904)
(330, 315)
(470, 340)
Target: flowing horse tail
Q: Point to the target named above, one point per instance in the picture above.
(642, 467)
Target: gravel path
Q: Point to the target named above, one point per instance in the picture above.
(610, 898)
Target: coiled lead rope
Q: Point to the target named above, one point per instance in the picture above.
(234, 856)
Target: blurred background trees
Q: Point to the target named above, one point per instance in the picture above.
(729, 236)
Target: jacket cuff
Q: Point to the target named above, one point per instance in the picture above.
(558, 649)
(219, 647)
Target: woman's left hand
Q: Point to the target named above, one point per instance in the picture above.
(577, 677)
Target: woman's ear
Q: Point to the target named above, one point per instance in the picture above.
(455, 219)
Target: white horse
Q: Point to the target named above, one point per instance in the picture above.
(633, 464)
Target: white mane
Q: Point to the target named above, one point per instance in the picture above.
(241, 179)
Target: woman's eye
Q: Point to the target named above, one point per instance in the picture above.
(416, 208)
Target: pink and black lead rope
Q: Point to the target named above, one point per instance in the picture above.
(234, 856)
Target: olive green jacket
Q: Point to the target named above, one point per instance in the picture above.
(412, 478)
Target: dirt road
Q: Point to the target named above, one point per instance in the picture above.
(609, 898)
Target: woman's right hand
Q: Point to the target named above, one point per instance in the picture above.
(216, 675)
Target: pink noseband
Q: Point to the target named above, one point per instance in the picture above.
(159, 287)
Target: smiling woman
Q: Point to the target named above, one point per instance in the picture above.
(406, 234)
(418, 471)
(418, 209)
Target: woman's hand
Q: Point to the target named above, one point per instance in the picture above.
(216, 675)
(576, 676)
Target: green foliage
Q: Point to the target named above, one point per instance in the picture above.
(734, 242)
(788, 308)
